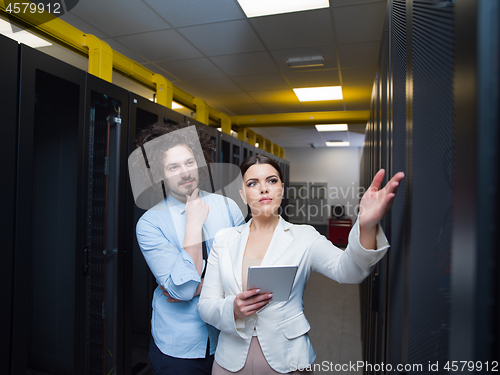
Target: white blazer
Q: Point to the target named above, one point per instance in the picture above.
(281, 326)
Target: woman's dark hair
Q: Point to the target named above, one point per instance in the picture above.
(259, 159)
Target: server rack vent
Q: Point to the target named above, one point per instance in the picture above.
(432, 172)
(398, 212)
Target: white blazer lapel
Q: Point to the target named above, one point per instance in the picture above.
(279, 243)
(237, 250)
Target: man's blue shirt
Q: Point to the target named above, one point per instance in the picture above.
(177, 328)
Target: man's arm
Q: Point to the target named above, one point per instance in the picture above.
(170, 299)
(172, 267)
(196, 214)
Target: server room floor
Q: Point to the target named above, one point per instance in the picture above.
(333, 311)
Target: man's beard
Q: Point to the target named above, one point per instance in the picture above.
(191, 187)
(179, 191)
(190, 190)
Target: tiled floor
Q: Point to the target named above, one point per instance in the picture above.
(333, 312)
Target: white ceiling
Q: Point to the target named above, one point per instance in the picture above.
(237, 65)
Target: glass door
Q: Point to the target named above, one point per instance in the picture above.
(104, 200)
(138, 307)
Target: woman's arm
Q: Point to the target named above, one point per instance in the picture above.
(367, 242)
(349, 266)
(215, 305)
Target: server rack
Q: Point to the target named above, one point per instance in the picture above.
(231, 149)
(433, 298)
(215, 139)
(78, 292)
(70, 189)
(286, 181)
(237, 152)
(248, 150)
(139, 281)
(8, 108)
(49, 237)
(104, 201)
(475, 262)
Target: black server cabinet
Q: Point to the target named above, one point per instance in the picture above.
(49, 237)
(8, 108)
(215, 139)
(225, 149)
(231, 149)
(139, 281)
(433, 155)
(104, 204)
(435, 297)
(475, 263)
(379, 141)
(286, 181)
(237, 152)
(248, 150)
(68, 245)
(227, 169)
(398, 224)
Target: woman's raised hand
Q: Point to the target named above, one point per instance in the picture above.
(376, 202)
(248, 302)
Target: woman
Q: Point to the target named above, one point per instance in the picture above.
(259, 336)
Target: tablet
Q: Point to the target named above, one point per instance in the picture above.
(277, 280)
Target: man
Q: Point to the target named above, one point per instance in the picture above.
(173, 236)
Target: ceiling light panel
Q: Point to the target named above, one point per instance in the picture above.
(337, 144)
(331, 127)
(306, 62)
(22, 36)
(310, 94)
(257, 8)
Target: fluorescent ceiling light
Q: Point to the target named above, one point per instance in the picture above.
(22, 36)
(257, 8)
(305, 62)
(310, 94)
(337, 144)
(332, 128)
(176, 105)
